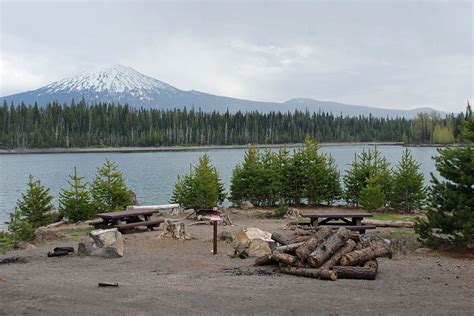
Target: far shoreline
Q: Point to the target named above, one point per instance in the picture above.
(79, 150)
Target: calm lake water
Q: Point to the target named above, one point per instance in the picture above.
(152, 175)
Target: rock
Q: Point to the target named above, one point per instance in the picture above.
(26, 246)
(246, 205)
(424, 251)
(43, 234)
(226, 236)
(241, 249)
(107, 243)
(258, 248)
(250, 233)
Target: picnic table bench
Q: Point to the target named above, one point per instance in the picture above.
(351, 220)
(123, 220)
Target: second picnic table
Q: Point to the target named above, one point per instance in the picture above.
(351, 220)
(123, 220)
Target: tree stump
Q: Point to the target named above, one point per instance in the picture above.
(326, 249)
(309, 246)
(176, 230)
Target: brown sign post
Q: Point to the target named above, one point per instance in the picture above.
(215, 218)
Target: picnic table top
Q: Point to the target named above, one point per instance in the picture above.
(337, 214)
(128, 213)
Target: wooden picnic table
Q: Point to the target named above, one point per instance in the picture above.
(349, 219)
(124, 220)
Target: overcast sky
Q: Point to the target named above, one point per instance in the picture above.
(397, 54)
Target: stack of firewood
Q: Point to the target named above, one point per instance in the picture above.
(327, 255)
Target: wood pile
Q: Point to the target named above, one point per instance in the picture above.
(327, 254)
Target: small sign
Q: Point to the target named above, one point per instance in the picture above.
(215, 218)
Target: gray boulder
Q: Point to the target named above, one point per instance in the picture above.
(107, 243)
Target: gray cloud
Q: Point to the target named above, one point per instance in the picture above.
(400, 54)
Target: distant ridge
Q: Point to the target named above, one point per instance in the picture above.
(121, 84)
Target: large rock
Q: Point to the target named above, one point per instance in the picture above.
(43, 234)
(250, 233)
(246, 205)
(258, 248)
(107, 243)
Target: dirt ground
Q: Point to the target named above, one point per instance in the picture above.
(163, 277)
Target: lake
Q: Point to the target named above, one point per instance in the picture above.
(152, 175)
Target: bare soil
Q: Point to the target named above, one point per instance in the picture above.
(163, 276)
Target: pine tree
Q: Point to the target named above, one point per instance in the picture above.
(246, 178)
(76, 204)
(202, 188)
(108, 189)
(367, 165)
(408, 190)
(450, 220)
(371, 196)
(35, 205)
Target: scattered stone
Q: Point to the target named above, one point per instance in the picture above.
(246, 205)
(258, 248)
(43, 234)
(106, 243)
(12, 260)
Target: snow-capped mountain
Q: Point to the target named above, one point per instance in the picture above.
(123, 85)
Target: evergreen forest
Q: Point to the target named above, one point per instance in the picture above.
(115, 125)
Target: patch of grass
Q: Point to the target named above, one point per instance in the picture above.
(404, 234)
(394, 217)
(76, 230)
(74, 234)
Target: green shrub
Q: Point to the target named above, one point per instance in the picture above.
(108, 189)
(201, 188)
(35, 205)
(75, 204)
(371, 196)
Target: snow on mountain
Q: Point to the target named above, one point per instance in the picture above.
(112, 79)
(120, 84)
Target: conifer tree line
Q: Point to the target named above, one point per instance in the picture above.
(79, 201)
(112, 125)
(268, 178)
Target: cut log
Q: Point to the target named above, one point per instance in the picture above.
(265, 260)
(363, 273)
(359, 256)
(334, 260)
(291, 248)
(280, 239)
(373, 264)
(286, 259)
(329, 247)
(301, 239)
(309, 246)
(310, 273)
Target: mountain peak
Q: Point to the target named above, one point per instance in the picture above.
(110, 79)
